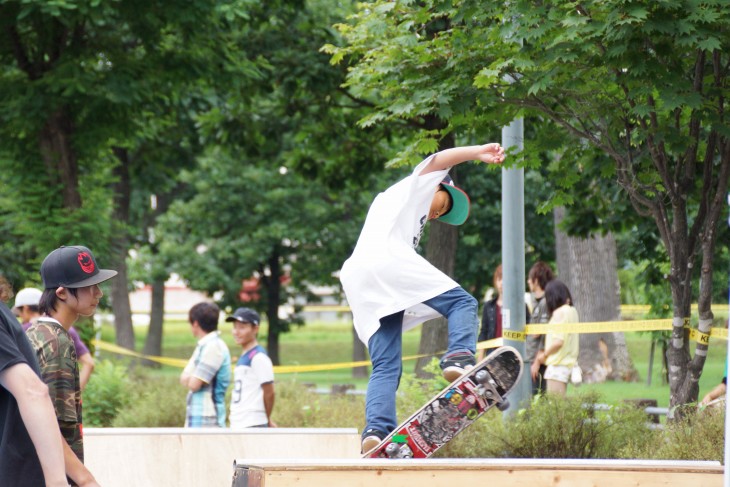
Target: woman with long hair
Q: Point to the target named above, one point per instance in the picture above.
(561, 349)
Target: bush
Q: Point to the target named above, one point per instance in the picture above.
(558, 427)
(105, 394)
(553, 427)
(698, 436)
(153, 402)
(299, 407)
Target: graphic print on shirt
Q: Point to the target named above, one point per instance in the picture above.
(245, 363)
(417, 237)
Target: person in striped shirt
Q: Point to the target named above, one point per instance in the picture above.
(208, 372)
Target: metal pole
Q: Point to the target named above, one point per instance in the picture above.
(513, 261)
(651, 362)
(727, 396)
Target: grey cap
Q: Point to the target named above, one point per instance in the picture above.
(245, 315)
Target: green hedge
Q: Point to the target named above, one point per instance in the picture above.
(552, 427)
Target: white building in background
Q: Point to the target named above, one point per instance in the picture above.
(178, 300)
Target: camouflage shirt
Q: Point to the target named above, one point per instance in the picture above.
(56, 354)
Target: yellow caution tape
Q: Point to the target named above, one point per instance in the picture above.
(698, 336)
(644, 308)
(493, 343)
(291, 369)
(599, 327)
(518, 336)
(110, 347)
(594, 327)
(625, 308)
(719, 333)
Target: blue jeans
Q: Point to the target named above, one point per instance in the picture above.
(385, 347)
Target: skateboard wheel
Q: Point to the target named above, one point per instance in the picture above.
(396, 450)
(503, 406)
(482, 376)
(392, 450)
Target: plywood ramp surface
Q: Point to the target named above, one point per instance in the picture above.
(515, 473)
(180, 457)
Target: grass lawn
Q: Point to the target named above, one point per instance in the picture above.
(639, 345)
(323, 343)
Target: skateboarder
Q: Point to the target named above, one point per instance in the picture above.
(391, 288)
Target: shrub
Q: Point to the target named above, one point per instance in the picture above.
(297, 406)
(698, 436)
(105, 394)
(553, 427)
(157, 401)
(558, 427)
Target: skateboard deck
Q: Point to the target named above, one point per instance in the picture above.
(456, 407)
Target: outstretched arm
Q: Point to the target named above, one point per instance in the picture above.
(490, 153)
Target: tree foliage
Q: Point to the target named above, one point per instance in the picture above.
(644, 84)
(78, 79)
(415, 64)
(254, 220)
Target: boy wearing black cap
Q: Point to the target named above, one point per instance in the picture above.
(252, 400)
(71, 280)
(391, 288)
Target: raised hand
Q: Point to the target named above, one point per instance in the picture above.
(491, 153)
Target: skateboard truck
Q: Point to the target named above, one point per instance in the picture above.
(398, 450)
(485, 380)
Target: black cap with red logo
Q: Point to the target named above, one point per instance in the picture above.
(72, 267)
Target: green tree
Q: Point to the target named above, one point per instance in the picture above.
(401, 60)
(646, 84)
(295, 116)
(249, 220)
(83, 84)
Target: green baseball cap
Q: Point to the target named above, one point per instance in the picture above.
(459, 211)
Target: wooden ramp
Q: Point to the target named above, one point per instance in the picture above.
(202, 457)
(483, 472)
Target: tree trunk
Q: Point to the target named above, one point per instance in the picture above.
(589, 268)
(60, 158)
(273, 294)
(120, 247)
(153, 342)
(441, 252)
(684, 370)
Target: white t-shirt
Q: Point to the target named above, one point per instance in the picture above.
(253, 369)
(385, 274)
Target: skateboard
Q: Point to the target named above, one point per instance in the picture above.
(456, 407)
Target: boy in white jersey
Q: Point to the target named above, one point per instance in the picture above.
(252, 400)
(391, 288)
